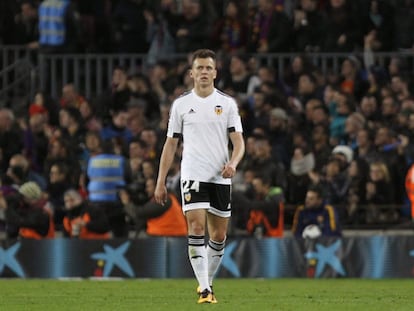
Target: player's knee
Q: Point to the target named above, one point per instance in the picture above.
(196, 228)
(218, 236)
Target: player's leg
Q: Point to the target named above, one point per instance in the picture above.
(197, 252)
(195, 204)
(217, 221)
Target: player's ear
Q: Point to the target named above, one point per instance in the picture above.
(190, 72)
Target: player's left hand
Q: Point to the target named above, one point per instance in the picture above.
(228, 171)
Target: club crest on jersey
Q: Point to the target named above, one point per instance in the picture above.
(218, 110)
(187, 196)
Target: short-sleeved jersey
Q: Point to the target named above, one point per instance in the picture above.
(205, 124)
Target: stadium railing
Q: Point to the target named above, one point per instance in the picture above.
(91, 73)
(17, 73)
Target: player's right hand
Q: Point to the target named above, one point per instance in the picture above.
(160, 194)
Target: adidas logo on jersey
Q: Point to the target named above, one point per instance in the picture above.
(191, 110)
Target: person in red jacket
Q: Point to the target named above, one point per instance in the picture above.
(83, 221)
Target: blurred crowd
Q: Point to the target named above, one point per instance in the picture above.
(163, 27)
(348, 135)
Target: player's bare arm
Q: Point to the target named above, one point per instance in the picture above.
(167, 157)
(229, 169)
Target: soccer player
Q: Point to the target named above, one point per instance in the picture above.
(206, 119)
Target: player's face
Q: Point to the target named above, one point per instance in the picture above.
(203, 71)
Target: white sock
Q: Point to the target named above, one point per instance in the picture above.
(215, 252)
(197, 254)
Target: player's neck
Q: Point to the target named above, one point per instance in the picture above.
(204, 91)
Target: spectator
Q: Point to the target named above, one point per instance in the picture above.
(400, 87)
(352, 81)
(81, 220)
(378, 19)
(26, 25)
(265, 209)
(161, 124)
(36, 140)
(71, 129)
(370, 110)
(59, 27)
(71, 97)
(43, 103)
(106, 172)
(136, 156)
(404, 21)
(38, 106)
(141, 91)
(263, 163)
(300, 64)
(260, 110)
(8, 10)
(26, 214)
(270, 29)
(192, 26)
(320, 146)
(316, 212)
(150, 138)
(58, 183)
(391, 150)
(115, 98)
(365, 148)
(10, 137)
(19, 172)
(136, 118)
(154, 218)
(357, 176)
(308, 27)
(320, 116)
(353, 123)
(342, 32)
(161, 81)
(380, 195)
(280, 135)
(229, 33)
(389, 110)
(306, 88)
(95, 20)
(335, 186)
(159, 37)
(239, 80)
(341, 108)
(344, 154)
(117, 131)
(301, 164)
(60, 152)
(89, 117)
(129, 26)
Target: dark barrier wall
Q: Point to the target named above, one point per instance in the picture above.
(359, 257)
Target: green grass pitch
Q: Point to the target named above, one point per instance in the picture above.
(232, 294)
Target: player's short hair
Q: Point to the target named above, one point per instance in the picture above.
(203, 53)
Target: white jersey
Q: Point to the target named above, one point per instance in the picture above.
(205, 124)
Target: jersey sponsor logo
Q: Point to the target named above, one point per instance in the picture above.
(218, 110)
